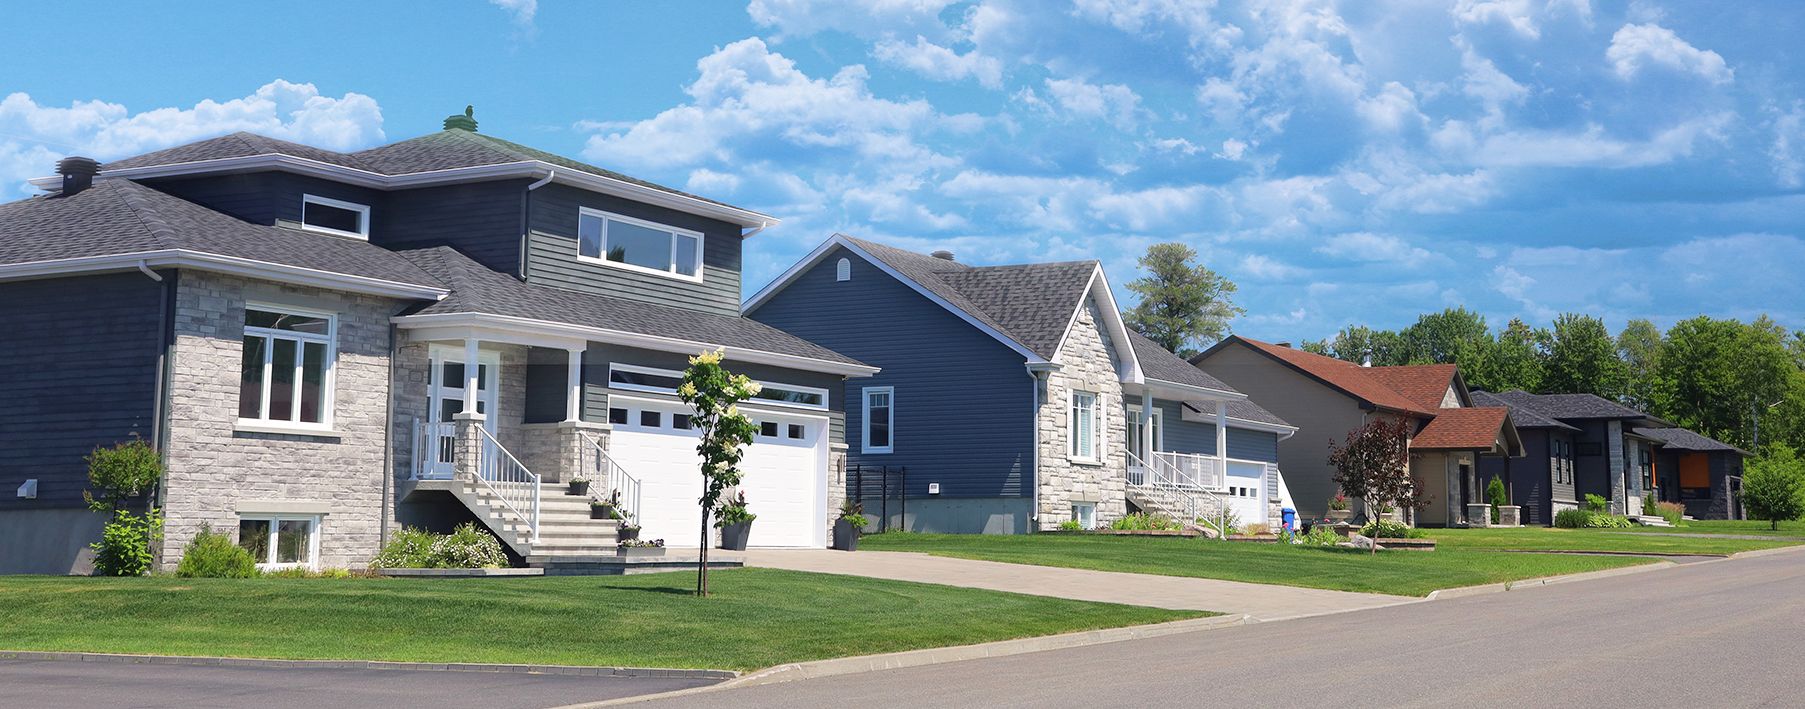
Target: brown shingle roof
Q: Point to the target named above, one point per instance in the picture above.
(1425, 384)
(1475, 428)
(1350, 378)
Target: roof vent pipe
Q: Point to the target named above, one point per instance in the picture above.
(1366, 358)
(463, 121)
(78, 173)
(943, 254)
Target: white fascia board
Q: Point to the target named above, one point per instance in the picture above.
(565, 331)
(821, 252)
(1112, 317)
(232, 265)
(376, 180)
(1283, 431)
(1191, 391)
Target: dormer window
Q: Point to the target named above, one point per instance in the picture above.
(638, 245)
(334, 216)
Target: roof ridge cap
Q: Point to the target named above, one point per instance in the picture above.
(125, 192)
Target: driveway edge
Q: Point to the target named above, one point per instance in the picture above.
(934, 656)
(1483, 589)
(202, 661)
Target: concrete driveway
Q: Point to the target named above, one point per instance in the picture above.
(114, 684)
(1261, 601)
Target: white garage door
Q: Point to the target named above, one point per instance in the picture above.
(1247, 491)
(784, 472)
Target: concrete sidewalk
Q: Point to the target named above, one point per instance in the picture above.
(1261, 601)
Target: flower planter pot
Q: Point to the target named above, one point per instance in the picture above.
(639, 551)
(579, 487)
(846, 536)
(626, 533)
(601, 511)
(1340, 515)
(733, 536)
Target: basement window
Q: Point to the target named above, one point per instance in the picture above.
(280, 542)
(334, 216)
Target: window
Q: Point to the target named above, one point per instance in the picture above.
(680, 422)
(1135, 431)
(651, 419)
(335, 217)
(279, 542)
(843, 270)
(1086, 514)
(796, 431)
(1082, 443)
(806, 397)
(880, 420)
(638, 244)
(285, 371)
(768, 429)
(1648, 469)
(617, 416)
(665, 381)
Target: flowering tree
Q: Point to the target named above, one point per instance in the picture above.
(1374, 463)
(715, 394)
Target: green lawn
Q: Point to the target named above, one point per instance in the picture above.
(1794, 528)
(1406, 573)
(756, 618)
(1614, 540)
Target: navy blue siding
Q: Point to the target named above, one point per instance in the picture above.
(1246, 444)
(268, 198)
(1182, 436)
(962, 399)
(552, 253)
(78, 370)
(481, 219)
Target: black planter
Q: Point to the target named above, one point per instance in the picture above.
(579, 487)
(601, 511)
(846, 536)
(626, 533)
(733, 536)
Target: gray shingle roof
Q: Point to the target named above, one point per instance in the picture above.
(1522, 415)
(122, 217)
(1571, 406)
(1159, 363)
(477, 289)
(234, 145)
(1685, 439)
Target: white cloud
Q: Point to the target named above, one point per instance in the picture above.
(1373, 248)
(1515, 14)
(30, 133)
(1391, 110)
(940, 63)
(1232, 149)
(1115, 103)
(1634, 47)
(1263, 267)
(1592, 147)
(706, 181)
(870, 19)
(1788, 148)
(522, 10)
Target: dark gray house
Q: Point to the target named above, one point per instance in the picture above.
(1014, 397)
(1697, 471)
(324, 346)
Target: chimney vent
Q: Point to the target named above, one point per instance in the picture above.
(1366, 358)
(78, 173)
(1286, 345)
(462, 121)
(943, 254)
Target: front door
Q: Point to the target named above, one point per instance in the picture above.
(447, 383)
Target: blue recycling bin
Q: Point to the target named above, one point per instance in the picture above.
(1288, 517)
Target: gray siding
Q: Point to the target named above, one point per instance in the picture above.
(595, 381)
(1529, 480)
(1322, 416)
(78, 370)
(552, 253)
(1262, 446)
(962, 399)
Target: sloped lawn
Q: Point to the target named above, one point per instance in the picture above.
(1403, 573)
(756, 618)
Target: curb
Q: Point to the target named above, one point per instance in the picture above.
(1768, 552)
(934, 656)
(200, 661)
(1465, 591)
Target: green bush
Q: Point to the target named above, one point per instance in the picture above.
(125, 544)
(215, 556)
(1319, 536)
(1608, 521)
(1494, 493)
(410, 548)
(1141, 522)
(467, 547)
(1071, 525)
(735, 512)
(1572, 518)
(1386, 529)
(1773, 486)
(1597, 503)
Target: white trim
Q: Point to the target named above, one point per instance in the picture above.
(821, 252)
(328, 372)
(865, 419)
(775, 409)
(273, 542)
(231, 265)
(363, 216)
(1131, 365)
(364, 178)
(675, 233)
(444, 323)
(1097, 419)
(1159, 428)
(674, 374)
(843, 270)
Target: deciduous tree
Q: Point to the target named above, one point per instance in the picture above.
(1581, 358)
(715, 393)
(1773, 486)
(1373, 464)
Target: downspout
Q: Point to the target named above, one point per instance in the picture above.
(761, 227)
(1034, 451)
(159, 432)
(526, 210)
(388, 447)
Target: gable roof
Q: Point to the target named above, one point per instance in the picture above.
(1572, 406)
(1032, 302)
(96, 228)
(1159, 363)
(477, 289)
(1686, 440)
(1425, 385)
(1349, 378)
(1470, 428)
(1523, 416)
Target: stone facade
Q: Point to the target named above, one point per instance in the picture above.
(217, 471)
(1087, 362)
(836, 486)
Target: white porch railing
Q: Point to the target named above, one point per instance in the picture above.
(616, 479)
(1184, 481)
(499, 472)
(435, 449)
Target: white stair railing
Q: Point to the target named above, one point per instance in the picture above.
(1183, 481)
(616, 479)
(517, 488)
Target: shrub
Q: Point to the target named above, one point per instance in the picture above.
(1494, 493)
(1773, 486)
(410, 548)
(467, 547)
(1071, 525)
(1571, 518)
(1597, 520)
(125, 542)
(1673, 512)
(1597, 503)
(1141, 521)
(1385, 529)
(120, 473)
(1319, 536)
(735, 512)
(214, 555)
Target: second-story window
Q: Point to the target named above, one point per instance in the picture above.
(639, 245)
(335, 216)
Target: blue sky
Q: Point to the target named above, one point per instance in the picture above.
(1358, 161)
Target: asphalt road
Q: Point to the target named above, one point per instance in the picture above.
(108, 684)
(1718, 634)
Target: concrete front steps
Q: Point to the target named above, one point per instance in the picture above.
(1650, 521)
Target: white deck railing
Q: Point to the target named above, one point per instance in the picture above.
(499, 472)
(1184, 481)
(614, 479)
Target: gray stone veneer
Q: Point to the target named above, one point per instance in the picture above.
(1087, 362)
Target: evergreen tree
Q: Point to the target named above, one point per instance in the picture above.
(1184, 305)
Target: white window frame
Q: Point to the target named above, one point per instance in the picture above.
(363, 219)
(1159, 429)
(755, 401)
(843, 270)
(1096, 437)
(865, 419)
(1085, 521)
(602, 257)
(313, 540)
(328, 377)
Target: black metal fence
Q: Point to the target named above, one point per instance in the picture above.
(876, 487)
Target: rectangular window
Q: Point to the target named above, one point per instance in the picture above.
(665, 381)
(651, 419)
(617, 416)
(280, 542)
(1082, 426)
(680, 422)
(1137, 434)
(796, 396)
(285, 371)
(768, 429)
(639, 245)
(880, 418)
(796, 431)
(1086, 514)
(335, 216)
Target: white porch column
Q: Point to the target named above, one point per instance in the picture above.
(573, 397)
(1146, 426)
(471, 379)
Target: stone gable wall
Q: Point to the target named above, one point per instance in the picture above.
(1088, 363)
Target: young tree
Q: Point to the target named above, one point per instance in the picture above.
(1373, 464)
(120, 475)
(1183, 305)
(715, 394)
(1639, 346)
(1773, 486)
(1582, 358)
